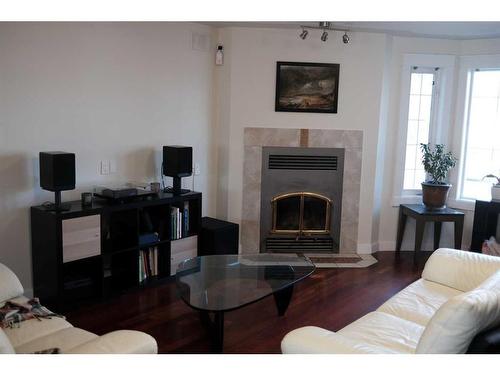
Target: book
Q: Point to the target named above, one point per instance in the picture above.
(186, 219)
(147, 238)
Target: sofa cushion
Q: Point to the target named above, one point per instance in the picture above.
(11, 286)
(386, 331)
(419, 301)
(119, 342)
(64, 339)
(492, 283)
(455, 324)
(5, 345)
(32, 329)
(458, 269)
(315, 340)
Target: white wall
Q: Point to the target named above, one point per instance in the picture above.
(106, 91)
(251, 56)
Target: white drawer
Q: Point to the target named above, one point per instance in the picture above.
(181, 250)
(81, 237)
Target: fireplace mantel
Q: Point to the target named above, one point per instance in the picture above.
(257, 138)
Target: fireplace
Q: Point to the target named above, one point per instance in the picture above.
(301, 213)
(301, 199)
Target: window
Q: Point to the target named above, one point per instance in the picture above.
(422, 95)
(481, 148)
(424, 117)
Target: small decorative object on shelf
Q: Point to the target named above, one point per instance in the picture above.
(437, 163)
(495, 187)
(86, 199)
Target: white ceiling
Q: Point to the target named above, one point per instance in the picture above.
(448, 30)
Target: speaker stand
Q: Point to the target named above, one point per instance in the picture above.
(176, 189)
(58, 206)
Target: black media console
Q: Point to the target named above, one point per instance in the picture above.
(92, 253)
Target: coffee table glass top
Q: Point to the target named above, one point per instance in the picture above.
(226, 282)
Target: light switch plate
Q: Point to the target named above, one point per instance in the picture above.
(105, 167)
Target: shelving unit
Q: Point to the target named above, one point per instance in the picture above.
(60, 283)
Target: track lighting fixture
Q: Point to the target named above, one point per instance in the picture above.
(345, 38)
(325, 27)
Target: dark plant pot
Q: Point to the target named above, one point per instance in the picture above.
(434, 196)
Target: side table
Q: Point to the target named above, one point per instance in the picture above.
(422, 215)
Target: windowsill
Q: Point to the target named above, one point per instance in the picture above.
(462, 204)
(406, 199)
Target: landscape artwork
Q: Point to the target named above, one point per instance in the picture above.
(307, 87)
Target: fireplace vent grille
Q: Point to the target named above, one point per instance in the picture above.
(303, 162)
(302, 244)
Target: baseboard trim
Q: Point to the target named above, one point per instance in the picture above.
(387, 246)
(365, 248)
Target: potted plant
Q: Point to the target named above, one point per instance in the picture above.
(495, 187)
(437, 163)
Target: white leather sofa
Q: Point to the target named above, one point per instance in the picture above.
(457, 298)
(35, 335)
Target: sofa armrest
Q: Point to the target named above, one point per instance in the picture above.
(10, 285)
(315, 340)
(118, 342)
(458, 269)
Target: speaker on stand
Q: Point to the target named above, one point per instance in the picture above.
(57, 173)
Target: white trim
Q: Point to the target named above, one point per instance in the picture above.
(387, 246)
(462, 204)
(406, 199)
(364, 248)
(441, 123)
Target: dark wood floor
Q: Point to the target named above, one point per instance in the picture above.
(329, 298)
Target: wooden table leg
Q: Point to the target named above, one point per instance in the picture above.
(459, 227)
(401, 230)
(437, 234)
(419, 235)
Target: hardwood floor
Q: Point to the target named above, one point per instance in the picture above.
(329, 298)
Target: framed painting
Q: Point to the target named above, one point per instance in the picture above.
(307, 87)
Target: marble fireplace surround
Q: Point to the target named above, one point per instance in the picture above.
(256, 138)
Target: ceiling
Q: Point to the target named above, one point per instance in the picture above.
(448, 30)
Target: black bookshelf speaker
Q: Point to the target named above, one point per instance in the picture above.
(57, 171)
(177, 161)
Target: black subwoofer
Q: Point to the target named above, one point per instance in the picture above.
(218, 237)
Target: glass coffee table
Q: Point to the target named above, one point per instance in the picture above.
(215, 284)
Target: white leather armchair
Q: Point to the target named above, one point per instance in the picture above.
(35, 335)
(457, 298)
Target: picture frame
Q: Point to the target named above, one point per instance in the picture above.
(307, 87)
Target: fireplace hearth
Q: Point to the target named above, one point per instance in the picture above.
(301, 199)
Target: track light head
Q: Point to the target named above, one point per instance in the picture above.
(345, 38)
(324, 36)
(303, 34)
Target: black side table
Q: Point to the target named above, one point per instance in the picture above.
(421, 214)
